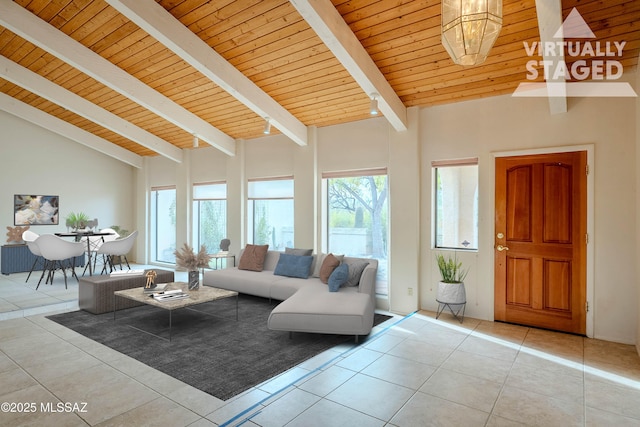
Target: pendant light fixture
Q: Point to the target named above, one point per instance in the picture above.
(196, 142)
(267, 126)
(470, 28)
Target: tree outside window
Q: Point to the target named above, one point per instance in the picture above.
(358, 218)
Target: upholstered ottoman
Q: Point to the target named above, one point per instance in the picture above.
(95, 293)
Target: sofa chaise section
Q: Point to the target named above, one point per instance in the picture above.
(314, 309)
(307, 305)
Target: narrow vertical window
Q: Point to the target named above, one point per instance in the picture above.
(270, 213)
(456, 204)
(358, 217)
(163, 224)
(209, 215)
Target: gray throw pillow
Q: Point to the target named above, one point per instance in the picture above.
(355, 272)
(299, 252)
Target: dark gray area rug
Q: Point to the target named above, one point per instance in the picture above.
(212, 352)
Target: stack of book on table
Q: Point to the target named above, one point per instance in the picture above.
(165, 296)
(119, 273)
(157, 288)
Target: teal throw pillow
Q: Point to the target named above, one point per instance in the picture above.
(338, 277)
(293, 266)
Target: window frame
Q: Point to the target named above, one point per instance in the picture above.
(196, 210)
(440, 164)
(251, 206)
(153, 212)
(326, 227)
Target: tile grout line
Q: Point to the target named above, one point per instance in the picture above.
(504, 383)
(106, 363)
(317, 369)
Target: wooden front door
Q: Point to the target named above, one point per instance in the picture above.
(540, 241)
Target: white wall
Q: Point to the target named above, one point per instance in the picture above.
(470, 129)
(481, 128)
(34, 160)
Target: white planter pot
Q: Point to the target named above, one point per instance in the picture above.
(451, 293)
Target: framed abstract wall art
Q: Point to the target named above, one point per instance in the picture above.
(35, 210)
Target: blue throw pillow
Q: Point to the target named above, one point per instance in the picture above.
(338, 277)
(293, 266)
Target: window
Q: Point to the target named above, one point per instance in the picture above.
(358, 218)
(209, 215)
(270, 213)
(163, 224)
(456, 204)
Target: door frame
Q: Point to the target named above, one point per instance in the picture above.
(590, 149)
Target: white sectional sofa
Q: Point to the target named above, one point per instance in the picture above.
(307, 305)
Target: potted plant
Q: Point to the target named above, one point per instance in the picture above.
(77, 221)
(187, 259)
(451, 286)
(121, 231)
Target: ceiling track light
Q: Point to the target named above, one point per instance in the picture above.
(373, 106)
(267, 126)
(196, 142)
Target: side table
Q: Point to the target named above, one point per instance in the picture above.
(220, 256)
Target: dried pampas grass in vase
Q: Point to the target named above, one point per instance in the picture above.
(187, 259)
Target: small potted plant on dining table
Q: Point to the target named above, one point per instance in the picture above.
(187, 259)
(76, 221)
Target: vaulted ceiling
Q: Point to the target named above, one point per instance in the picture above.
(136, 78)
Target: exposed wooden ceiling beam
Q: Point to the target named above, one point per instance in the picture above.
(162, 26)
(327, 22)
(40, 33)
(37, 84)
(74, 133)
(549, 21)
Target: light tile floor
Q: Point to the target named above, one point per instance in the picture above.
(411, 371)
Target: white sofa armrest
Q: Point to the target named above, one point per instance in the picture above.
(368, 279)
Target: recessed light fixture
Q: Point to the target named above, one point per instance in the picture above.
(196, 142)
(267, 126)
(373, 106)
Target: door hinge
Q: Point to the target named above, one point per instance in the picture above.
(586, 306)
(586, 238)
(586, 169)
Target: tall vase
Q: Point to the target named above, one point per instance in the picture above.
(194, 280)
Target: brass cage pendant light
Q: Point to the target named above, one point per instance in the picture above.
(470, 28)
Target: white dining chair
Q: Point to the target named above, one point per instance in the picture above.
(58, 254)
(29, 237)
(120, 248)
(94, 244)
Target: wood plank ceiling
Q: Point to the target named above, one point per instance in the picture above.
(270, 43)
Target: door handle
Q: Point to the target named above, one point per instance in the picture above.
(501, 248)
